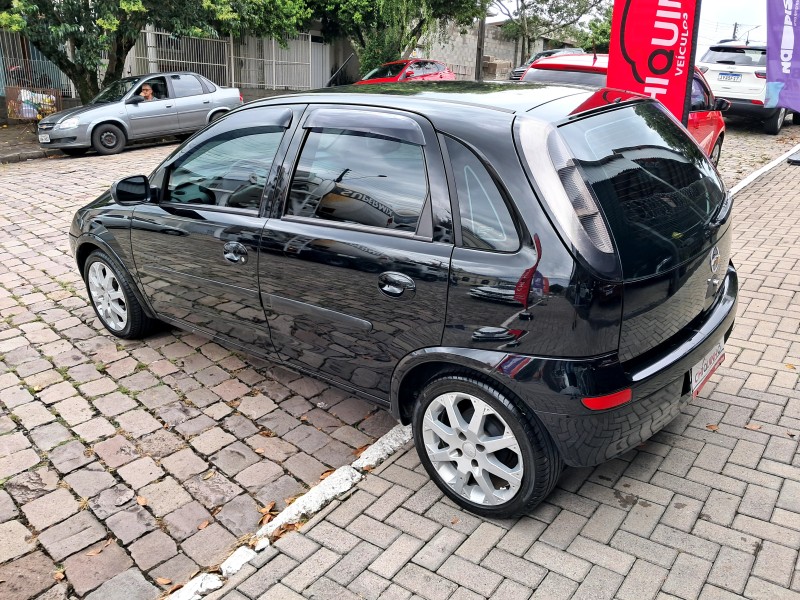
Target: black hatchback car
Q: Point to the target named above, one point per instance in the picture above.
(531, 276)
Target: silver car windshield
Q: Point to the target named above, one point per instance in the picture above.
(115, 91)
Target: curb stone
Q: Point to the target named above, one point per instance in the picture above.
(341, 481)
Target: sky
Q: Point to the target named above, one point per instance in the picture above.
(717, 19)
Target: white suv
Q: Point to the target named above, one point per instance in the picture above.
(738, 73)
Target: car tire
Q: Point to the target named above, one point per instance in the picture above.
(111, 294)
(501, 483)
(216, 116)
(772, 126)
(108, 139)
(74, 151)
(716, 152)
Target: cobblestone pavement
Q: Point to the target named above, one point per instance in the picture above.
(144, 462)
(709, 508)
(159, 446)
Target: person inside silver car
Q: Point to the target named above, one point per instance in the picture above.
(147, 92)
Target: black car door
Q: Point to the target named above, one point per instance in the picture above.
(196, 248)
(355, 258)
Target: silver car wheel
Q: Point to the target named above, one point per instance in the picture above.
(108, 139)
(107, 296)
(472, 448)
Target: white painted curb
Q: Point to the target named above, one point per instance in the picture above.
(759, 172)
(337, 483)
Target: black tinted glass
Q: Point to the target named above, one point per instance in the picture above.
(186, 85)
(745, 57)
(486, 222)
(656, 187)
(391, 70)
(358, 177)
(576, 77)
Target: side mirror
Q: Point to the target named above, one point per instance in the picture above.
(131, 190)
(722, 105)
(135, 99)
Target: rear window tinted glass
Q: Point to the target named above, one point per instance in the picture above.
(486, 222)
(358, 177)
(656, 188)
(576, 77)
(745, 57)
(392, 70)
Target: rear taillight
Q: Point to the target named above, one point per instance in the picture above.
(761, 74)
(759, 102)
(703, 70)
(607, 401)
(241, 99)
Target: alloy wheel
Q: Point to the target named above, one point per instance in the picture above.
(107, 296)
(108, 139)
(472, 449)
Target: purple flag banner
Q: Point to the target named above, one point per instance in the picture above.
(783, 63)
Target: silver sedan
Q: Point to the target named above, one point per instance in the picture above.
(137, 108)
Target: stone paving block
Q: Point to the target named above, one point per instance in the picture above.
(414, 524)
(90, 480)
(278, 422)
(11, 443)
(553, 559)
(353, 563)
(184, 463)
(767, 531)
(686, 577)
(256, 476)
(373, 531)
(239, 426)
(522, 535)
(682, 513)
(758, 502)
(114, 404)
(480, 542)
(72, 535)
(297, 545)
(152, 549)
(157, 396)
(599, 584)
(469, 575)
(234, 458)
(643, 581)
(33, 414)
(555, 587)
(368, 586)
(423, 582)
(137, 423)
(388, 502)
(642, 548)
(279, 491)
(15, 540)
(115, 451)
(731, 569)
(601, 554)
(97, 564)
(720, 507)
(111, 501)
(70, 456)
(775, 563)
(94, 429)
(602, 525)
(256, 406)
(165, 496)
(377, 424)
(212, 440)
(187, 520)
(643, 518)
(50, 509)
(212, 491)
(8, 510)
(18, 462)
(240, 516)
(453, 518)
(352, 508)
(131, 523)
(306, 468)
(210, 546)
(333, 537)
(267, 576)
(178, 570)
(128, 585)
(513, 567)
(563, 530)
(27, 577)
(74, 410)
(435, 552)
(140, 472)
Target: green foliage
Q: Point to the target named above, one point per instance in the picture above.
(597, 34)
(86, 37)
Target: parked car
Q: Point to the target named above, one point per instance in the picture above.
(181, 104)
(408, 70)
(618, 209)
(705, 117)
(517, 73)
(738, 73)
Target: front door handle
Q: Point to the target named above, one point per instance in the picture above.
(235, 252)
(206, 101)
(395, 285)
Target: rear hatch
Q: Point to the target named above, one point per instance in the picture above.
(736, 72)
(647, 208)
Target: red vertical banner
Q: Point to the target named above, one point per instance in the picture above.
(652, 51)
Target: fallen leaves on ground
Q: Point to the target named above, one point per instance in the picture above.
(267, 508)
(712, 427)
(790, 366)
(209, 475)
(259, 450)
(360, 451)
(291, 499)
(141, 500)
(99, 549)
(284, 529)
(202, 525)
(163, 581)
(267, 433)
(753, 426)
(326, 474)
(58, 575)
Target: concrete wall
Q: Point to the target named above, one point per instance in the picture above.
(459, 49)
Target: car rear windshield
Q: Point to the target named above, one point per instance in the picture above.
(743, 57)
(391, 70)
(558, 76)
(656, 188)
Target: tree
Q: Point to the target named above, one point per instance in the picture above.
(385, 30)
(529, 20)
(596, 37)
(89, 39)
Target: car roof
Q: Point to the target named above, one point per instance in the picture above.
(739, 46)
(436, 99)
(590, 63)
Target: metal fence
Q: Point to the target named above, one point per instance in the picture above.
(263, 63)
(23, 66)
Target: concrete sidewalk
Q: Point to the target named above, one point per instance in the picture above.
(709, 508)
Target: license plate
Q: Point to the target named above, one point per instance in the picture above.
(706, 367)
(44, 138)
(729, 76)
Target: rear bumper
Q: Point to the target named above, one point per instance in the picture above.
(660, 386)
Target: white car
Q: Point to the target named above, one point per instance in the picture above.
(738, 73)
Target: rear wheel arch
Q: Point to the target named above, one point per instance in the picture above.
(217, 114)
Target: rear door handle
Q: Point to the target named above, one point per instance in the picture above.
(394, 285)
(234, 252)
(206, 101)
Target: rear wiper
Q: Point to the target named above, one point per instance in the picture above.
(726, 62)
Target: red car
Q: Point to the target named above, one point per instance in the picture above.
(408, 70)
(705, 119)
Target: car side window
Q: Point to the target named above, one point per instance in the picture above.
(228, 170)
(700, 99)
(159, 87)
(359, 177)
(186, 85)
(486, 221)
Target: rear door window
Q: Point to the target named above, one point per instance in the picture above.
(657, 190)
